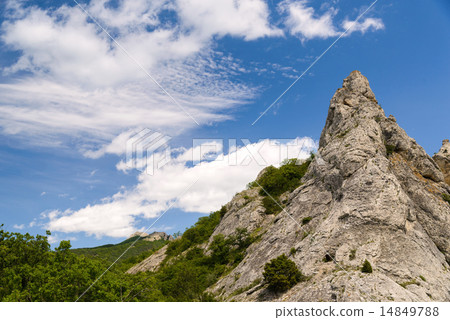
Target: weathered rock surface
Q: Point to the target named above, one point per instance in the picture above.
(442, 159)
(151, 263)
(372, 193)
(371, 190)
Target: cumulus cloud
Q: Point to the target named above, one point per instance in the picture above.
(363, 26)
(248, 19)
(213, 183)
(304, 22)
(19, 226)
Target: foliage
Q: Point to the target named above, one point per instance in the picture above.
(110, 252)
(390, 149)
(366, 267)
(281, 274)
(446, 197)
(408, 283)
(293, 251)
(271, 205)
(352, 254)
(306, 220)
(253, 284)
(31, 271)
(276, 181)
(187, 276)
(197, 234)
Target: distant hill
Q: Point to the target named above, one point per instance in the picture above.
(110, 252)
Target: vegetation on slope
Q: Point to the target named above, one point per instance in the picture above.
(281, 274)
(110, 252)
(276, 181)
(31, 271)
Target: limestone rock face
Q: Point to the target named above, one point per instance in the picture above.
(151, 237)
(372, 193)
(442, 159)
(151, 263)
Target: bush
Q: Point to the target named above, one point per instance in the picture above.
(197, 234)
(446, 197)
(306, 220)
(276, 181)
(352, 254)
(281, 274)
(366, 268)
(390, 149)
(271, 206)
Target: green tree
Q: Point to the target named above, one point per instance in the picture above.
(366, 267)
(281, 274)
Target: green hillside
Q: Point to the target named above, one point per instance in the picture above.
(110, 252)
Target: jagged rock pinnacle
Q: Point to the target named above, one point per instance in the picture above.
(358, 83)
(372, 193)
(442, 158)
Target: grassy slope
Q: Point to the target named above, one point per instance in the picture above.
(110, 252)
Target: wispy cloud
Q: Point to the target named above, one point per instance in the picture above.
(78, 84)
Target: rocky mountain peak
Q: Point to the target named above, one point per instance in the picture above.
(442, 159)
(370, 193)
(357, 83)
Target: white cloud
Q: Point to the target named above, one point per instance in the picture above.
(77, 87)
(43, 193)
(19, 226)
(303, 22)
(244, 18)
(364, 26)
(79, 84)
(218, 181)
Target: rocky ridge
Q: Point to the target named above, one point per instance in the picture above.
(151, 237)
(370, 193)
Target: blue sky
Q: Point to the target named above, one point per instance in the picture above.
(70, 98)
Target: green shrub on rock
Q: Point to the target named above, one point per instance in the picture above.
(367, 267)
(281, 274)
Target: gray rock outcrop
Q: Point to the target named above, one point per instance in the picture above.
(372, 193)
(442, 159)
(151, 237)
(151, 263)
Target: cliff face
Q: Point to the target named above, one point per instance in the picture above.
(370, 193)
(442, 159)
